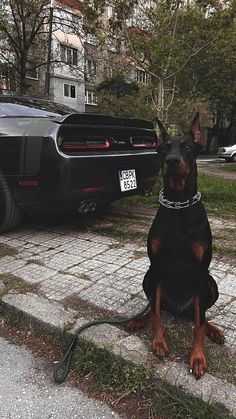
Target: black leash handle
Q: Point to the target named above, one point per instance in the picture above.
(62, 368)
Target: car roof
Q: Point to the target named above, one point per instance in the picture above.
(25, 105)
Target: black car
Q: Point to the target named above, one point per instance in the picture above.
(53, 158)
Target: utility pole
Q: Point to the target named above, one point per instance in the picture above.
(47, 75)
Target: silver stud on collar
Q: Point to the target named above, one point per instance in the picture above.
(177, 204)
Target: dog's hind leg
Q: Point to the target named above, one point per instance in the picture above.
(214, 333)
(159, 344)
(138, 324)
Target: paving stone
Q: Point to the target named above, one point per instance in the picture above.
(49, 315)
(208, 388)
(81, 271)
(2, 287)
(76, 247)
(41, 237)
(132, 348)
(10, 264)
(104, 297)
(95, 264)
(131, 285)
(62, 261)
(141, 264)
(227, 285)
(33, 273)
(103, 335)
(61, 286)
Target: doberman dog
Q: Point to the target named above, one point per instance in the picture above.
(180, 249)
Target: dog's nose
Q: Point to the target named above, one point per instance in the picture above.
(173, 159)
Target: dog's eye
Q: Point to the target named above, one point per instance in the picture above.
(186, 147)
(165, 148)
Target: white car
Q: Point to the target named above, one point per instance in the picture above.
(227, 153)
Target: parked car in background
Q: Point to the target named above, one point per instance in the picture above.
(227, 153)
(53, 158)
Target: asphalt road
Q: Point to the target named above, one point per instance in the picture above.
(28, 392)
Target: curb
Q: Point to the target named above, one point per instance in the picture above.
(53, 319)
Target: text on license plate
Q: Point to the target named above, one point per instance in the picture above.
(127, 180)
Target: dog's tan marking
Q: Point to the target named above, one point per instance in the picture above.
(155, 246)
(159, 344)
(199, 250)
(197, 362)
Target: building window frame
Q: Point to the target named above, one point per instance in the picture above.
(69, 90)
(90, 97)
(142, 76)
(69, 55)
(90, 67)
(91, 39)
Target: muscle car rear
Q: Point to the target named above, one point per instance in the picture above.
(55, 159)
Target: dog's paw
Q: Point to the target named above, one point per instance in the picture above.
(134, 325)
(197, 363)
(159, 347)
(214, 333)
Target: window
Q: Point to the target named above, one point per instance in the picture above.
(91, 39)
(142, 76)
(69, 55)
(110, 12)
(90, 68)
(69, 90)
(90, 97)
(32, 71)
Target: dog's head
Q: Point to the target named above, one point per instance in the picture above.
(178, 154)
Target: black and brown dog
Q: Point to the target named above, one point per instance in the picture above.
(180, 249)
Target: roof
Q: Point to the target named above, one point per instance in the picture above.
(73, 4)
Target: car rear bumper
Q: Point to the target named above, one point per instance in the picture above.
(75, 181)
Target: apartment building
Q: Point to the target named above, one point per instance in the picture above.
(67, 83)
(74, 62)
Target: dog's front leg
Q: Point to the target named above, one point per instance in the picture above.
(159, 345)
(197, 362)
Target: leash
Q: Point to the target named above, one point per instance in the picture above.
(62, 368)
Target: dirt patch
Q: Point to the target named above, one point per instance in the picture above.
(218, 169)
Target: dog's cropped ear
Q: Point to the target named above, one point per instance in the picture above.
(195, 129)
(161, 130)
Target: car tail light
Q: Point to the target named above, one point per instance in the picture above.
(95, 144)
(92, 189)
(144, 142)
(28, 182)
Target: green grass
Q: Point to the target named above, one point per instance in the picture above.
(6, 250)
(16, 284)
(111, 375)
(231, 168)
(218, 196)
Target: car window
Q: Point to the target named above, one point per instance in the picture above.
(12, 109)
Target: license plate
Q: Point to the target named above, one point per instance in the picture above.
(127, 180)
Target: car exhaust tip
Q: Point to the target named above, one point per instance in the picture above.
(86, 206)
(147, 192)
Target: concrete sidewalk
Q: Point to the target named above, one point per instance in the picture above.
(63, 262)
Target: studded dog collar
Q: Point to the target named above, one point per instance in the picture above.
(177, 204)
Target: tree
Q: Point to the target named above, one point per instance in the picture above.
(25, 31)
(22, 30)
(173, 41)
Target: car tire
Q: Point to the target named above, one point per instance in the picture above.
(10, 213)
(234, 158)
